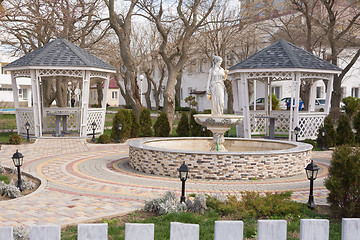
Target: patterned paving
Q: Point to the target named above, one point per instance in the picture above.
(82, 181)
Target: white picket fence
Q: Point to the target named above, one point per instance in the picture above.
(310, 229)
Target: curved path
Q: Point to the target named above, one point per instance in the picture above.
(82, 182)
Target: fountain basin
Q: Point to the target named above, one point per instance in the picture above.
(245, 158)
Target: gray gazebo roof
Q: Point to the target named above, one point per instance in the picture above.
(60, 53)
(285, 55)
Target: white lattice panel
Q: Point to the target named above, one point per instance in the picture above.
(61, 72)
(95, 115)
(257, 125)
(73, 119)
(282, 122)
(25, 115)
(21, 73)
(309, 125)
(309, 75)
(274, 75)
(98, 74)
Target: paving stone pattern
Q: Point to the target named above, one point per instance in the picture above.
(82, 182)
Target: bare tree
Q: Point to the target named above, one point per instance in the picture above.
(176, 31)
(121, 24)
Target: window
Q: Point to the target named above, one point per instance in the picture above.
(319, 92)
(6, 89)
(343, 92)
(23, 94)
(114, 95)
(355, 92)
(276, 91)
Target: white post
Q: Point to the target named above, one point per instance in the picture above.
(297, 96)
(314, 229)
(266, 106)
(29, 92)
(311, 106)
(329, 89)
(85, 103)
(245, 94)
(105, 91)
(36, 102)
(16, 100)
(291, 109)
(141, 88)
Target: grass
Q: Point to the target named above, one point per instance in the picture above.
(116, 227)
(4, 179)
(7, 121)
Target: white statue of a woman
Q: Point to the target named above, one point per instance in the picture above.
(216, 87)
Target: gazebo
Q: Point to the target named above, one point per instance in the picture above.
(281, 61)
(61, 74)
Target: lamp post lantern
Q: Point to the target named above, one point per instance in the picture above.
(183, 174)
(18, 159)
(203, 129)
(93, 126)
(311, 173)
(119, 129)
(27, 127)
(296, 131)
(323, 134)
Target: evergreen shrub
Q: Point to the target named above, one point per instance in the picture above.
(145, 123)
(351, 105)
(330, 135)
(195, 128)
(15, 139)
(344, 134)
(183, 126)
(343, 182)
(162, 126)
(356, 124)
(135, 126)
(104, 139)
(123, 116)
(310, 141)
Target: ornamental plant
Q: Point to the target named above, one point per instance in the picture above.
(15, 139)
(145, 123)
(351, 105)
(162, 126)
(104, 139)
(344, 132)
(183, 126)
(356, 124)
(135, 126)
(123, 116)
(330, 135)
(343, 182)
(195, 128)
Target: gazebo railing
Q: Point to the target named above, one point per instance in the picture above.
(73, 119)
(96, 115)
(25, 115)
(309, 123)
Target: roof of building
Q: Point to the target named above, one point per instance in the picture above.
(60, 52)
(283, 54)
(112, 84)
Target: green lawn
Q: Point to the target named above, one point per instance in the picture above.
(116, 227)
(7, 121)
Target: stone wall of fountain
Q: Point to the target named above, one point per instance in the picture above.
(245, 158)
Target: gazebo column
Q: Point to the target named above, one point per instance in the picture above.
(106, 89)
(85, 104)
(244, 92)
(311, 107)
(36, 102)
(297, 96)
(16, 99)
(329, 89)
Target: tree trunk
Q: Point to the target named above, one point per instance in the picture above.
(169, 95)
(178, 87)
(147, 94)
(61, 92)
(48, 91)
(99, 90)
(229, 91)
(305, 94)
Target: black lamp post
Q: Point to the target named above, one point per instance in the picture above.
(119, 129)
(323, 134)
(18, 161)
(27, 127)
(93, 126)
(203, 129)
(311, 173)
(183, 174)
(296, 131)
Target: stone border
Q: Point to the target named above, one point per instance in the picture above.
(220, 165)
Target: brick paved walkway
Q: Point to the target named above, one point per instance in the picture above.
(82, 182)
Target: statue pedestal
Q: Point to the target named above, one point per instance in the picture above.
(218, 125)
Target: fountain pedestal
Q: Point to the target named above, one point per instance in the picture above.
(218, 125)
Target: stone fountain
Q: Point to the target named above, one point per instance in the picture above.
(218, 125)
